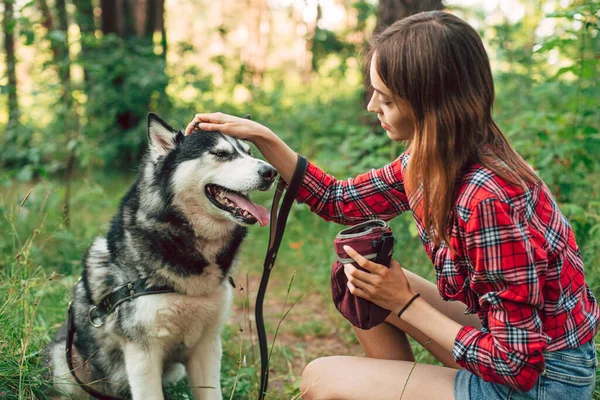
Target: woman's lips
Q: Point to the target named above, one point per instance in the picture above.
(384, 126)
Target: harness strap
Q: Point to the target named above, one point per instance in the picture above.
(96, 315)
(277, 228)
(128, 291)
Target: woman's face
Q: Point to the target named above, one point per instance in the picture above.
(394, 114)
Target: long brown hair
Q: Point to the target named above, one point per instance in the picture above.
(436, 62)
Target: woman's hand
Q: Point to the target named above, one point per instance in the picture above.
(386, 287)
(277, 153)
(240, 128)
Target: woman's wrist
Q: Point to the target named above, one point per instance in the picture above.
(407, 304)
(403, 302)
(263, 136)
(277, 152)
(440, 328)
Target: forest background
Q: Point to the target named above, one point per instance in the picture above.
(78, 77)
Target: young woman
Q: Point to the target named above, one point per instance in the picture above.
(523, 321)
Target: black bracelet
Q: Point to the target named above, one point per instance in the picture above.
(407, 304)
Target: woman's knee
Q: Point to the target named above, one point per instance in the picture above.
(384, 341)
(316, 378)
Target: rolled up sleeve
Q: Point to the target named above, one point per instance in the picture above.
(378, 193)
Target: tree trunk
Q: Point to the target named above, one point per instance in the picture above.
(64, 64)
(8, 26)
(70, 117)
(60, 50)
(162, 28)
(390, 11)
(135, 21)
(58, 44)
(155, 22)
(84, 16)
(130, 10)
(112, 17)
(305, 30)
(254, 54)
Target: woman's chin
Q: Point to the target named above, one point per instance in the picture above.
(394, 136)
(397, 137)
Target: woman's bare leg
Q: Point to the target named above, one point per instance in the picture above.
(386, 342)
(341, 377)
(383, 372)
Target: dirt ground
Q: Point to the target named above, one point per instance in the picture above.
(294, 346)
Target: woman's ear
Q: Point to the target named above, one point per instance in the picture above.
(162, 138)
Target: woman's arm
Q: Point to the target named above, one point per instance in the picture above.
(275, 150)
(388, 287)
(376, 194)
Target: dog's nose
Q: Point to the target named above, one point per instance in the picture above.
(267, 172)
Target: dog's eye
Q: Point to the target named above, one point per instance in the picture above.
(220, 153)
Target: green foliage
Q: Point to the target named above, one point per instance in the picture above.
(126, 79)
(31, 304)
(547, 105)
(327, 43)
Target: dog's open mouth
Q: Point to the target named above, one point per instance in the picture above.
(237, 204)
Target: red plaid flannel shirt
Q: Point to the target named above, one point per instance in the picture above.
(516, 264)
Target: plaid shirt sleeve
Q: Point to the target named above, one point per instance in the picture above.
(509, 266)
(377, 194)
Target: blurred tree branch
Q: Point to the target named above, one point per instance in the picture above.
(8, 26)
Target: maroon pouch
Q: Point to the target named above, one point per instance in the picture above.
(373, 240)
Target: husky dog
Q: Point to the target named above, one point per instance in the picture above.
(179, 227)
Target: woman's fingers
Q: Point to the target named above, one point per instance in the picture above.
(363, 262)
(210, 122)
(356, 290)
(354, 273)
(205, 126)
(218, 117)
(236, 127)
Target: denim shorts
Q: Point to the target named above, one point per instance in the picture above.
(569, 374)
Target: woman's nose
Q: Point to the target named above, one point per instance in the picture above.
(372, 106)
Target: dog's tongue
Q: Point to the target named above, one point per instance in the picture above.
(259, 212)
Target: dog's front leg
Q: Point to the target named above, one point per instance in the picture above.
(144, 371)
(204, 368)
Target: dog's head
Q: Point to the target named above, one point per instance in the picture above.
(208, 174)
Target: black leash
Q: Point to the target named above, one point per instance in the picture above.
(277, 227)
(96, 315)
(84, 386)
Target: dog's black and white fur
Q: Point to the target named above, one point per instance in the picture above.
(180, 225)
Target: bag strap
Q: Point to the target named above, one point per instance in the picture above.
(277, 228)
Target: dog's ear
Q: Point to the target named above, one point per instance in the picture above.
(162, 137)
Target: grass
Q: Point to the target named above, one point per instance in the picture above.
(40, 262)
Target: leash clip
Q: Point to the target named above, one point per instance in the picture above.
(92, 309)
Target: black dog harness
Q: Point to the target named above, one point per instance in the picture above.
(127, 292)
(278, 221)
(97, 315)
